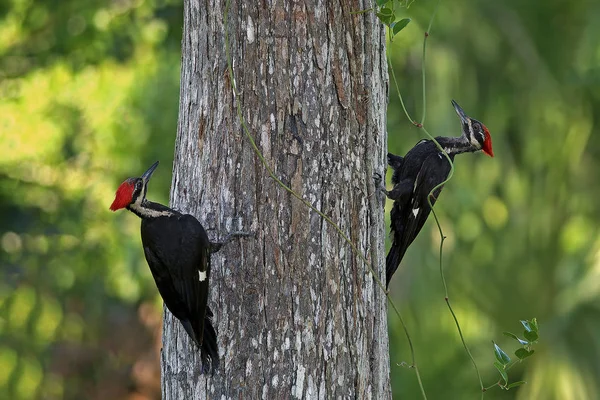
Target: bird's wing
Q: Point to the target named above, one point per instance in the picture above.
(178, 255)
(415, 211)
(410, 211)
(169, 293)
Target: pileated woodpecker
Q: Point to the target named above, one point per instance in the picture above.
(178, 251)
(417, 173)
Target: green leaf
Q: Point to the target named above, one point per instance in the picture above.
(399, 25)
(531, 336)
(501, 356)
(527, 326)
(523, 353)
(512, 335)
(381, 2)
(534, 325)
(502, 371)
(515, 384)
(386, 15)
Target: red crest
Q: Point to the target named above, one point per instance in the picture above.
(487, 143)
(123, 196)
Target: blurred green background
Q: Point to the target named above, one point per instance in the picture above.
(89, 95)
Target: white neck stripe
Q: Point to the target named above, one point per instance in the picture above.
(148, 212)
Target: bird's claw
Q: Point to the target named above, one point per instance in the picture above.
(379, 185)
(377, 178)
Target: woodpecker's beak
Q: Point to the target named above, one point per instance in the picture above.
(463, 117)
(146, 176)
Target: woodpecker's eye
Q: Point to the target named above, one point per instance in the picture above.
(138, 185)
(476, 126)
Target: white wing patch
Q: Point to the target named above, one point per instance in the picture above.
(201, 276)
(416, 181)
(415, 211)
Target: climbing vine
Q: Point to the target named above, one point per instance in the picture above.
(503, 363)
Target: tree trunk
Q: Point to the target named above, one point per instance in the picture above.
(297, 313)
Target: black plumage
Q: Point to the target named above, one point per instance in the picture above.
(178, 252)
(417, 174)
(420, 171)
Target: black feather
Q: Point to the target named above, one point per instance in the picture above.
(423, 168)
(177, 250)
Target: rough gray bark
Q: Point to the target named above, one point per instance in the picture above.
(297, 313)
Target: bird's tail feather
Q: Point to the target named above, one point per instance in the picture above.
(392, 261)
(209, 350)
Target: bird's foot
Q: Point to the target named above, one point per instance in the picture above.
(379, 185)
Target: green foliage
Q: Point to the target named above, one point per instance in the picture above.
(503, 362)
(89, 94)
(387, 12)
(396, 27)
(521, 233)
(502, 370)
(501, 356)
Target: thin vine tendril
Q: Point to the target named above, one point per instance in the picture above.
(421, 126)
